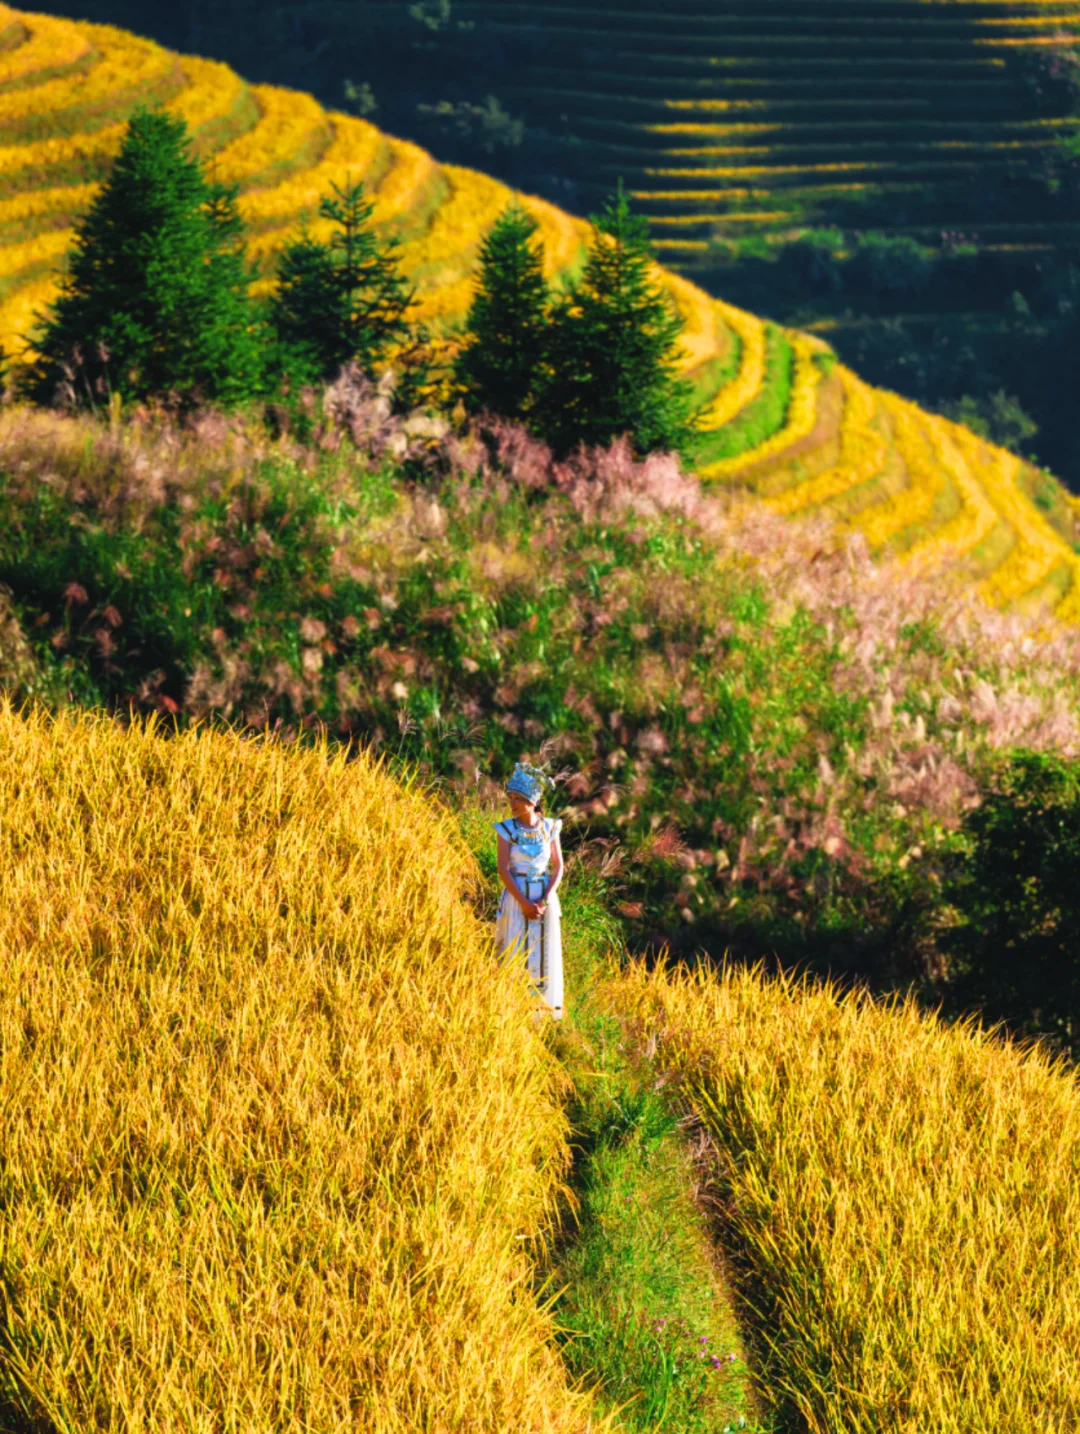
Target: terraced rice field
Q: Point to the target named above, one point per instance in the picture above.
(763, 116)
(784, 422)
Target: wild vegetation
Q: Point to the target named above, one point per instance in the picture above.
(782, 418)
(779, 740)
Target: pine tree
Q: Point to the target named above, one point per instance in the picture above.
(499, 367)
(613, 349)
(155, 297)
(340, 301)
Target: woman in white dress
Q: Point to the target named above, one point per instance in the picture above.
(531, 867)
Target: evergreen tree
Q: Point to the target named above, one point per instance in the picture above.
(499, 367)
(613, 349)
(340, 301)
(155, 297)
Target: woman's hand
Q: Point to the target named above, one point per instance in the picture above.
(533, 910)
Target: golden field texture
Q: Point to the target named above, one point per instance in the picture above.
(940, 492)
(281, 1137)
(899, 1195)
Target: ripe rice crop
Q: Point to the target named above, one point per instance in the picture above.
(900, 1196)
(1037, 552)
(281, 1137)
(1018, 22)
(410, 185)
(799, 419)
(916, 503)
(675, 221)
(67, 199)
(19, 308)
(863, 452)
(750, 333)
(212, 93)
(23, 165)
(41, 249)
(127, 68)
(355, 151)
(681, 246)
(564, 238)
(704, 329)
(290, 126)
(52, 46)
(959, 451)
(448, 246)
(1024, 42)
(762, 417)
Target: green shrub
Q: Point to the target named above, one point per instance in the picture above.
(812, 262)
(1015, 954)
(890, 264)
(998, 417)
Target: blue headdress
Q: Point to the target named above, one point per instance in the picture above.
(529, 782)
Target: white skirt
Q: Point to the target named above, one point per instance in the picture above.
(540, 942)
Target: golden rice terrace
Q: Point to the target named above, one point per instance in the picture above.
(783, 419)
(761, 114)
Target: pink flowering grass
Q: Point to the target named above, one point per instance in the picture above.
(779, 735)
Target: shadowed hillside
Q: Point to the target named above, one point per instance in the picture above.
(783, 420)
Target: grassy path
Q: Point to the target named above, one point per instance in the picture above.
(638, 1289)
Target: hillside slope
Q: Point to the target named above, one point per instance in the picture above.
(762, 114)
(784, 420)
(281, 1141)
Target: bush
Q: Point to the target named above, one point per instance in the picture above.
(890, 264)
(1015, 953)
(466, 128)
(999, 418)
(812, 262)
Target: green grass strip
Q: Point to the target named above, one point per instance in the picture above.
(644, 1317)
(764, 415)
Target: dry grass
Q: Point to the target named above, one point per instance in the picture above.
(279, 1134)
(902, 1196)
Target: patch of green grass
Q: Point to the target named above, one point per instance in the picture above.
(643, 1312)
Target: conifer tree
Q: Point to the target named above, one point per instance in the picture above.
(613, 349)
(340, 301)
(499, 366)
(155, 297)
